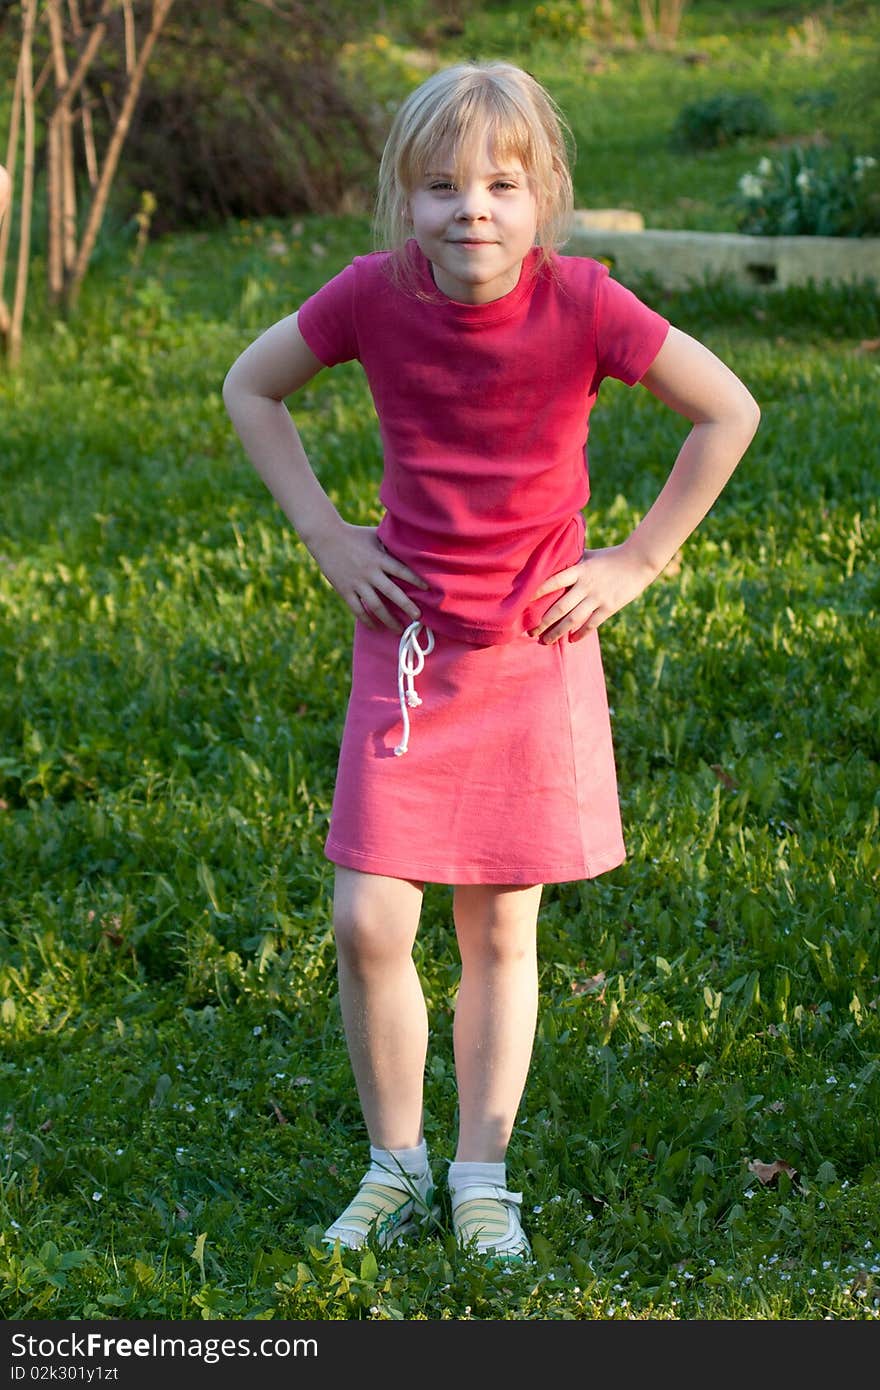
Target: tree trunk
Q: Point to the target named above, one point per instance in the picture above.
(6, 225)
(85, 111)
(58, 152)
(27, 186)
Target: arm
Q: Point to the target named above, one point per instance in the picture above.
(353, 559)
(690, 379)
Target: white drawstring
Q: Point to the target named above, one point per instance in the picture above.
(410, 661)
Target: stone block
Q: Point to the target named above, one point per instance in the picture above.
(678, 259)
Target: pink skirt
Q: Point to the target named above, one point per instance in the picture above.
(508, 775)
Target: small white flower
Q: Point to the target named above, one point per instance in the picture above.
(751, 186)
(96, 1196)
(765, 167)
(14, 1224)
(804, 180)
(119, 1151)
(258, 1030)
(831, 1081)
(189, 1107)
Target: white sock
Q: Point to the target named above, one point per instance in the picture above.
(414, 1162)
(466, 1174)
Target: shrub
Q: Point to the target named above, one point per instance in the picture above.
(721, 120)
(811, 193)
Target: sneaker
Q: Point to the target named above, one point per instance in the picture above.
(485, 1219)
(387, 1205)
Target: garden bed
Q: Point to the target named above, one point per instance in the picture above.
(678, 259)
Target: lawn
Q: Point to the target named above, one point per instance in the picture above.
(179, 1119)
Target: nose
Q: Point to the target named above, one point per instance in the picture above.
(472, 202)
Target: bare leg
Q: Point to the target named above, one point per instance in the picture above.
(495, 1014)
(383, 1008)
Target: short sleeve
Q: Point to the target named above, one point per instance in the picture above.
(629, 334)
(327, 319)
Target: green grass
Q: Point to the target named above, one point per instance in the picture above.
(178, 1114)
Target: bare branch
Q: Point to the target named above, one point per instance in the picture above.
(6, 226)
(130, 45)
(160, 13)
(27, 189)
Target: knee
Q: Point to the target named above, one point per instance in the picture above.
(495, 944)
(366, 941)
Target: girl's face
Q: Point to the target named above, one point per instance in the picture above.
(475, 233)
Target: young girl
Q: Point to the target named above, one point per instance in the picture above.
(477, 745)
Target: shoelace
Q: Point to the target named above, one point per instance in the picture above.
(410, 662)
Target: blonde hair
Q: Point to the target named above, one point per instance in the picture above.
(456, 109)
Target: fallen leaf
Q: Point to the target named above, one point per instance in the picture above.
(594, 985)
(279, 1115)
(724, 777)
(777, 1106)
(869, 345)
(769, 1172)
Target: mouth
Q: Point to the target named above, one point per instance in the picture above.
(471, 241)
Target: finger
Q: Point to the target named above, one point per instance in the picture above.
(374, 605)
(578, 616)
(362, 614)
(563, 580)
(403, 601)
(556, 613)
(392, 566)
(596, 618)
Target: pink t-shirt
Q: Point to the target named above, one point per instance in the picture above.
(483, 413)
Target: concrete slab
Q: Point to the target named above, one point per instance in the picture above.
(678, 259)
